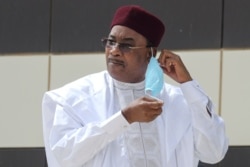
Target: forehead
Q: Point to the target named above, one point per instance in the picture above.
(124, 33)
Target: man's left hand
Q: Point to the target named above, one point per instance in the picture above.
(173, 66)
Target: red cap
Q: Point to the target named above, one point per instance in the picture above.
(141, 21)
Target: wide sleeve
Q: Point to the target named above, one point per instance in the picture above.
(68, 141)
(211, 142)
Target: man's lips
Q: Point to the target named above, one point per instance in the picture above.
(115, 61)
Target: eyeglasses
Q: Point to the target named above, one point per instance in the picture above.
(124, 47)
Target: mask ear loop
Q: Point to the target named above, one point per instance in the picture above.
(152, 51)
(152, 54)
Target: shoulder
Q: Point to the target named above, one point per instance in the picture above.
(172, 90)
(173, 94)
(83, 87)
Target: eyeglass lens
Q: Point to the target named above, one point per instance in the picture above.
(110, 44)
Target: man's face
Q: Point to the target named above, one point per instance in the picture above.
(127, 65)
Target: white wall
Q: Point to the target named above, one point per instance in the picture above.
(236, 95)
(24, 79)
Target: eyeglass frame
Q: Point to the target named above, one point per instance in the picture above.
(124, 47)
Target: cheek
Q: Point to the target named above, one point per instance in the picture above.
(139, 63)
(143, 59)
(106, 54)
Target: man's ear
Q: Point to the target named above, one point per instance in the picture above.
(149, 54)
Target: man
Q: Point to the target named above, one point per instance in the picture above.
(107, 120)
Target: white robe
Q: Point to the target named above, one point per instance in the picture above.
(83, 126)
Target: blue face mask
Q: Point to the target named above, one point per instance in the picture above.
(154, 78)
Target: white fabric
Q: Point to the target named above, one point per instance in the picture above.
(141, 140)
(83, 126)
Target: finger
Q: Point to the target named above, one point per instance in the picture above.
(153, 105)
(156, 105)
(167, 60)
(169, 64)
(163, 57)
(148, 98)
(153, 113)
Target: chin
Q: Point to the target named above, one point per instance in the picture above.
(118, 77)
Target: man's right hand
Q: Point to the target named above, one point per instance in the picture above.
(144, 109)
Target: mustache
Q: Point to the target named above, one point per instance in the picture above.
(116, 61)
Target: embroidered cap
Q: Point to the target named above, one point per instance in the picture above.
(141, 21)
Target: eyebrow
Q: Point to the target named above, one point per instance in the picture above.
(123, 39)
